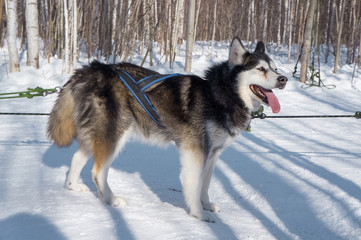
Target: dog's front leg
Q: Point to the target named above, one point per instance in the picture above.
(207, 175)
(192, 162)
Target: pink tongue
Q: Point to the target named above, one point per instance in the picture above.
(272, 101)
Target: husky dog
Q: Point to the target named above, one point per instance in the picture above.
(201, 116)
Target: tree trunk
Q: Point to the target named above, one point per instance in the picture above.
(181, 20)
(290, 23)
(253, 28)
(12, 28)
(1, 14)
(279, 22)
(307, 40)
(285, 22)
(190, 35)
(60, 28)
(214, 24)
(49, 35)
(359, 53)
(359, 49)
(151, 18)
(331, 14)
(67, 48)
(300, 28)
(32, 31)
(339, 32)
(264, 22)
(166, 31)
(75, 32)
(196, 20)
(175, 26)
(90, 29)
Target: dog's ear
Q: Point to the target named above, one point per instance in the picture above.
(260, 48)
(236, 52)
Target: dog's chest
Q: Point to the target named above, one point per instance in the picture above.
(218, 137)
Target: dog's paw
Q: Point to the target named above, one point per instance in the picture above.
(77, 187)
(118, 202)
(211, 207)
(204, 216)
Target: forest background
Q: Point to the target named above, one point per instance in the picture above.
(116, 29)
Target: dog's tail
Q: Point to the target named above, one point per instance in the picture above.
(61, 127)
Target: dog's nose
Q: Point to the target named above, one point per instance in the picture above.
(282, 79)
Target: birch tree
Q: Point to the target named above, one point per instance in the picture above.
(279, 23)
(285, 20)
(119, 28)
(67, 40)
(1, 18)
(290, 23)
(214, 24)
(190, 35)
(196, 20)
(151, 20)
(11, 38)
(331, 14)
(300, 28)
(359, 54)
(75, 32)
(32, 31)
(264, 22)
(307, 40)
(174, 31)
(339, 32)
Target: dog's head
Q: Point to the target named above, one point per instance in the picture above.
(256, 76)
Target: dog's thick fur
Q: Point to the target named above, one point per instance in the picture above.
(201, 116)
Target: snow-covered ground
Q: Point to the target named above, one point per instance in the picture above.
(287, 179)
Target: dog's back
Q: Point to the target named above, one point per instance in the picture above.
(78, 101)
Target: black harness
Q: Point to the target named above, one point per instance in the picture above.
(137, 88)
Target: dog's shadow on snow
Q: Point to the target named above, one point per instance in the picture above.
(157, 167)
(295, 211)
(29, 226)
(56, 157)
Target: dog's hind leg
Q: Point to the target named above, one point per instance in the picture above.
(78, 162)
(192, 161)
(104, 155)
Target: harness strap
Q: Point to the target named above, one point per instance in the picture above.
(137, 88)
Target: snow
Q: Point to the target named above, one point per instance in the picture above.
(287, 179)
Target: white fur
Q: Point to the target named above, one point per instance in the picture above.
(192, 181)
(207, 175)
(220, 140)
(254, 76)
(78, 162)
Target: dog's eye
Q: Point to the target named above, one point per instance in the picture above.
(262, 69)
(276, 69)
